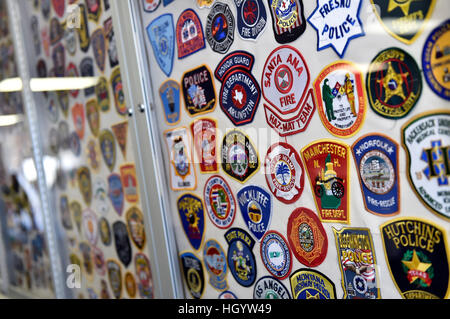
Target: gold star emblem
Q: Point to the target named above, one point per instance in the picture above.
(403, 4)
(416, 264)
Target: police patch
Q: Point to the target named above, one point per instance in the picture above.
(256, 209)
(394, 83)
(118, 93)
(204, 132)
(417, 256)
(150, 5)
(87, 70)
(108, 148)
(240, 92)
(93, 116)
(83, 30)
(288, 19)
(336, 24)
(239, 157)
(307, 238)
(425, 139)
(120, 131)
(102, 93)
(122, 242)
(84, 184)
(136, 227)
(90, 230)
(193, 274)
(240, 258)
(162, 38)
(129, 182)
(268, 287)
(216, 264)
(376, 158)
(189, 31)
(220, 202)
(251, 18)
(311, 284)
(115, 193)
(220, 27)
(192, 216)
(94, 9)
(198, 91)
(115, 277)
(144, 273)
(356, 256)
(64, 210)
(276, 254)
(99, 48)
(169, 92)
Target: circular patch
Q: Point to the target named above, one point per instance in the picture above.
(240, 256)
(377, 172)
(307, 238)
(284, 172)
(216, 264)
(394, 83)
(220, 202)
(220, 28)
(270, 288)
(276, 255)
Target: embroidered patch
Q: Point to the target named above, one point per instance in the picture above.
(216, 264)
(136, 227)
(327, 164)
(341, 99)
(94, 9)
(115, 193)
(64, 210)
(105, 231)
(240, 258)
(239, 157)
(85, 184)
(189, 31)
(288, 19)
(220, 202)
(435, 64)
(144, 273)
(417, 256)
(356, 256)
(220, 27)
(307, 238)
(311, 284)
(122, 242)
(204, 132)
(425, 139)
(130, 285)
(102, 93)
(99, 48)
(108, 148)
(276, 254)
(114, 277)
(240, 92)
(336, 24)
(284, 172)
(120, 131)
(192, 216)
(198, 91)
(268, 287)
(150, 5)
(255, 204)
(394, 83)
(193, 274)
(90, 230)
(118, 93)
(169, 92)
(376, 158)
(87, 70)
(161, 34)
(129, 183)
(100, 200)
(83, 30)
(59, 60)
(251, 18)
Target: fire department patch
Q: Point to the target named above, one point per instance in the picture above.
(307, 238)
(356, 256)
(251, 18)
(169, 92)
(288, 19)
(284, 172)
(193, 274)
(204, 132)
(341, 99)
(426, 140)
(327, 164)
(192, 216)
(394, 83)
(189, 31)
(417, 256)
(220, 202)
(268, 287)
(216, 264)
(276, 254)
(311, 284)
(220, 27)
(376, 158)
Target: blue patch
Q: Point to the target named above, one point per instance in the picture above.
(162, 37)
(256, 209)
(240, 93)
(115, 192)
(169, 93)
(251, 18)
(276, 255)
(376, 159)
(167, 2)
(227, 295)
(192, 215)
(240, 258)
(216, 264)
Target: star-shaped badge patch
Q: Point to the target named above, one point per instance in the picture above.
(336, 23)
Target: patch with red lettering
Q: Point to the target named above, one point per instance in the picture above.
(204, 132)
(189, 31)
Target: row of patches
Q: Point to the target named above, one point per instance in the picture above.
(336, 24)
(425, 139)
(415, 250)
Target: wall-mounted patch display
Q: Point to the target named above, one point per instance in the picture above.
(122, 242)
(394, 83)
(161, 35)
(93, 116)
(307, 237)
(276, 254)
(199, 92)
(311, 284)
(181, 167)
(117, 90)
(169, 92)
(255, 204)
(136, 227)
(85, 184)
(216, 264)
(115, 192)
(220, 202)
(193, 274)
(251, 18)
(240, 93)
(99, 48)
(150, 5)
(129, 183)
(376, 159)
(336, 24)
(239, 157)
(435, 63)
(356, 257)
(204, 132)
(192, 217)
(284, 172)
(341, 99)
(189, 32)
(416, 252)
(120, 131)
(425, 139)
(404, 20)
(144, 273)
(240, 256)
(288, 19)
(219, 27)
(108, 148)
(90, 230)
(268, 287)
(114, 277)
